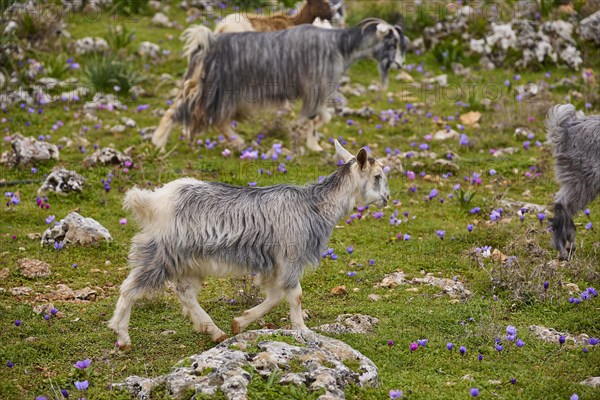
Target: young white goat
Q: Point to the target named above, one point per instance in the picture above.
(577, 168)
(189, 233)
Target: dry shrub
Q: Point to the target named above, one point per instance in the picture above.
(521, 276)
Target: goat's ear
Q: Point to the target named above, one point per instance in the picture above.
(342, 152)
(383, 29)
(361, 157)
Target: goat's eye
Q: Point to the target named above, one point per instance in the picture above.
(377, 177)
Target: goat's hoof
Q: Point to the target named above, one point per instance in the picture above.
(125, 348)
(235, 327)
(221, 338)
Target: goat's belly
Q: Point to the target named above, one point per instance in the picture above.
(220, 269)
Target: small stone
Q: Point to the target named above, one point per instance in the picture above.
(161, 20)
(21, 291)
(593, 381)
(471, 118)
(28, 150)
(105, 156)
(551, 335)
(4, 272)
(149, 49)
(34, 236)
(350, 323)
(32, 268)
(374, 297)
(168, 332)
(62, 181)
(445, 134)
(43, 308)
(339, 290)
(589, 28)
(86, 294)
(75, 229)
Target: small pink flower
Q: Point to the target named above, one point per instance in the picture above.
(123, 221)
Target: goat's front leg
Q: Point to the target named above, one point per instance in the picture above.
(274, 296)
(187, 291)
(312, 138)
(226, 129)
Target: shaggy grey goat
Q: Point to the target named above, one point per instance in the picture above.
(577, 168)
(189, 233)
(230, 75)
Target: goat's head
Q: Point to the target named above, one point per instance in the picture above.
(390, 49)
(320, 9)
(371, 182)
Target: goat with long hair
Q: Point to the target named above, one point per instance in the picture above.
(231, 75)
(577, 168)
(188, 234)
(242, 22)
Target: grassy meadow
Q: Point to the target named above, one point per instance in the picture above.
(37, 357)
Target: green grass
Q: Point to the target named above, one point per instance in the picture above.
(45, 364)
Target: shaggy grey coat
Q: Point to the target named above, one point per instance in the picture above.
(243, 71)
(193, 229)
(256, 229)
(577, 169)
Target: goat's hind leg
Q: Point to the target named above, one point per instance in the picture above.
(187, 291)
(119, 322)
(274, 295)
(294, 299)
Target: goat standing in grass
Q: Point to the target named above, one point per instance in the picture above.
(189, 233)
(231, 75)
(241, 22)
(577, 168)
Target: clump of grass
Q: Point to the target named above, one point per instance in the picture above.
(131, 7)
(39, 30)
(448, 52)
(119, 37)
(104, 74)
(56, 66)
(388, 11)
(464, 198)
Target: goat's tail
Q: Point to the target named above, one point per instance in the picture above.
(140, 203)
(197, 38)
(555, 120)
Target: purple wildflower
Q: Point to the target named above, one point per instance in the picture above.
(413, 346)
(449, 346)
(81, 385)
(83, 364)
(474, 392)
(395, 394)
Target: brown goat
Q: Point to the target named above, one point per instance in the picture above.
(241, 22)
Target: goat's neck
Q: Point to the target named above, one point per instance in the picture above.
(336, 195)
(357, 45)
(304, 16)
